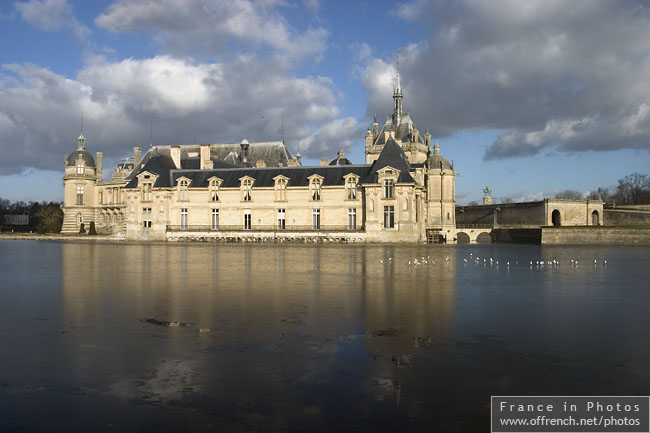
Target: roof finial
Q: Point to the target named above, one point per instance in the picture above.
(81, 140)
(397, 96)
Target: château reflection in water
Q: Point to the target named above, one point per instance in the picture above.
(276, 337)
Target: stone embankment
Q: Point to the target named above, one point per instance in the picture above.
(595, 236)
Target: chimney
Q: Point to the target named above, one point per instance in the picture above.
(244, 150)
(98, 157)
(260, 163)
(175, 153)
(292, 162)
(205, 156)
(136, 155)
(323, 161)
(298, 158)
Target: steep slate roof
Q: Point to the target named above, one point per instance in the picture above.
(159, 161)
(403, 132)
(298, 176)
(158, 164)
(391, 155)
(273, 152)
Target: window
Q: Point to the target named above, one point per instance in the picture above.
(215, 219)
(315, 219)
(281, 219)
(182, 192)
(101, 197)
(315, 187)
(281, 189)
(80, 168)
(352, 219)
(351, 187)
(146, 191)
(184, 218)
(214, 190)
(389, 188)
(247, 220)
(389, 217)
(80, 194)
(146, 217)
(247, 186)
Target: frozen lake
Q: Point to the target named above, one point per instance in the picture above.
(254, 337)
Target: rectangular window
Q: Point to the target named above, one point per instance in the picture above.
(146, 217)
(80, 194)
(281, 219)
(352, 219)
(351, 187)
(215, 219)
(146, 192)
(80, 169)
(315, 219)
(389, 188)
(389, 217)
(183, 193)
(247, 220)
(315, 189)
(184, 219)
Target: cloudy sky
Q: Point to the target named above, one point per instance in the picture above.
(527, 97)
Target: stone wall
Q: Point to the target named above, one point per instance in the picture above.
(595, 236)
(625, 217)
(530, 214)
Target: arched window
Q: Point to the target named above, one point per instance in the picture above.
(556, 218)
(247, 189)
(79, 219)
(351, 188)
(315, 187)
(214, 190)
(280, 189)
(183, 190)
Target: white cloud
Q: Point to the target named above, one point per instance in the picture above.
(334, 135)
(206, 26)
(550, 74)
(52, 15)
(40, 110)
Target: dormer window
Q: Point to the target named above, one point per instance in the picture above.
(389, 188)
(183, 194)
(351, 188)
(315, 188)
(214, 190)
(80, 168)
(281, 188)
(247, 189)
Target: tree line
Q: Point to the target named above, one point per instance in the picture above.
(44, 217)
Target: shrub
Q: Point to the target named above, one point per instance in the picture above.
(91, 230)
(82, 229)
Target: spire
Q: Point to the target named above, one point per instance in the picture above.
(397, 96)
(436, 148)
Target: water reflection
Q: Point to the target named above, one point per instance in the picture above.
(314, 337)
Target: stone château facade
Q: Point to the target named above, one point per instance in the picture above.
(405, 191)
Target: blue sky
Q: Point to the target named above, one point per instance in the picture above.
(527, 97)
